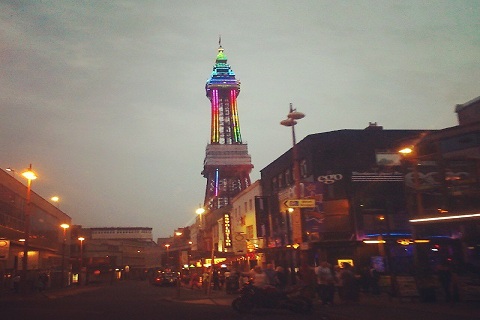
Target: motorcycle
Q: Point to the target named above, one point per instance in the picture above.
(252, 298)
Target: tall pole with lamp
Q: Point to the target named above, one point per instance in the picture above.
(29, 175)
(411, 152)
(167, 245)
(64, 226)
(291, 121)
(80, 277)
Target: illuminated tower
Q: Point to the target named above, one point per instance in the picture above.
(227, 164)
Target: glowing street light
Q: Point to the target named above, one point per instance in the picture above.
(81, 239)
(56, 199)
(64, 226)
(200, 211)
(30, 176)
(167, 245)
(410, 152)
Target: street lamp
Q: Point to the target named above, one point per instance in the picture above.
(410, 152)
(80, 278)
(200, 211)
(12, 171)
(64, 226)
(168, 247)
(291, 121)
(29, 175)
(56, 199)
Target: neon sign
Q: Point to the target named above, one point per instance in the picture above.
(227, 229)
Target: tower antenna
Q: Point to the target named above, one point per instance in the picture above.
(220, 40)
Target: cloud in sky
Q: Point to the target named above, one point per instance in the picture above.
(107, 100)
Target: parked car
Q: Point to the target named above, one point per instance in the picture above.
(165, 278)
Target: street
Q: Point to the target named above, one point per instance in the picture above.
(140, 300)
(127, 300)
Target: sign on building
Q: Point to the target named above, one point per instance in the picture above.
(227, 230)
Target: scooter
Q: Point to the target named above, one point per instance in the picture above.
(252, 298)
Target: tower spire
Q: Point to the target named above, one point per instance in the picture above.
(227, 164)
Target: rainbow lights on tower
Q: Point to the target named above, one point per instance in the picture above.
(222, 89)
(227, 164)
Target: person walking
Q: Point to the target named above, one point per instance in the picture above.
(308, 280)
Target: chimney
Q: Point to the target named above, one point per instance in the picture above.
(373, 126)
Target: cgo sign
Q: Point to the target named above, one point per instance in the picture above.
(330, 178)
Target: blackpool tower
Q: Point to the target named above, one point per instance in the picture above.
(227, 164)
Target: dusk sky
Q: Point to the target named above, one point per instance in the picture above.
(106, 99)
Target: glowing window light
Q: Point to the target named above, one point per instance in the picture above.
(446, 218)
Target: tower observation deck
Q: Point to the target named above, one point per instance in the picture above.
(227, 164)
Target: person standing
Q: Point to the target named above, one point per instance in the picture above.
(260, 278)
(308, 280)
(270, 272)
(444, 274)
(281, 277)
(375, 278)
(325, 283)
(349, 283)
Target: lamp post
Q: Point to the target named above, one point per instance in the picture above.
(167, 245)
(64, 226)
(291, 121)
(200, 211)
(29, 175)
(199, 239)
(80, 278)
(416, 178)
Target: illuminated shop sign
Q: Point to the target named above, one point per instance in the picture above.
(330, 178)
(227, 236)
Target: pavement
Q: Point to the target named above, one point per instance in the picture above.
(48, 294)
(404, 308)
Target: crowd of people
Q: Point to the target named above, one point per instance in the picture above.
(322, 281)
(325, 282)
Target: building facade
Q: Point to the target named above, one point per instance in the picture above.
(446, 197)
(358, 196)
(46, 247)
(107, 253)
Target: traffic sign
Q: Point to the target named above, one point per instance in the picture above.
(300, 203)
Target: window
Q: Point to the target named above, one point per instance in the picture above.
(288, 177)
(280, 181)
(303, 168)
(250, 205)
(249, 231)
